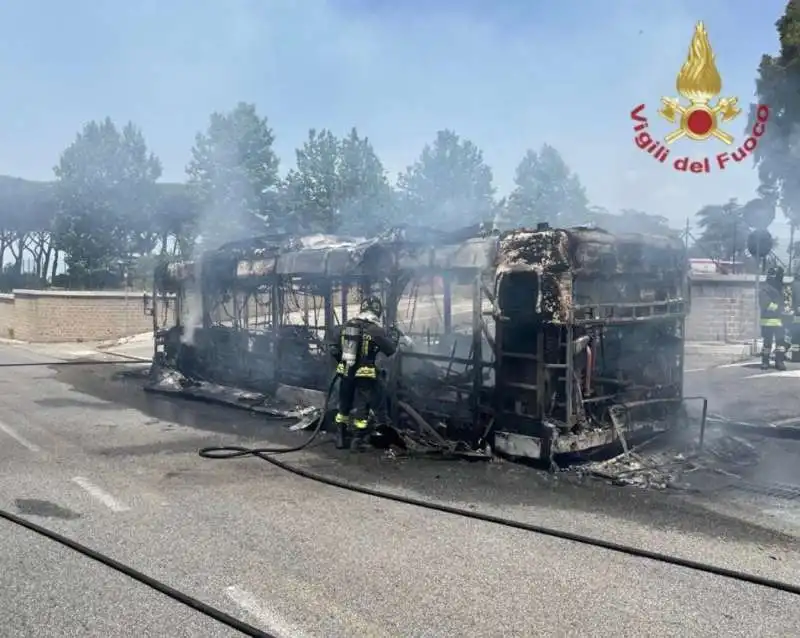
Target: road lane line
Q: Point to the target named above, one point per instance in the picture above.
(19, 438)
(695, 370)
(740, 364)
(780, 374)
(101, 495)
(789, 421)
(270, 620)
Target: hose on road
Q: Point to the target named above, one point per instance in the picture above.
(210, 611)
(269, 455)
(204, 608)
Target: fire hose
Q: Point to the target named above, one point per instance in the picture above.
(270, 454)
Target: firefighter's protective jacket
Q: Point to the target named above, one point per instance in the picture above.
(770, 301)
(356, 345)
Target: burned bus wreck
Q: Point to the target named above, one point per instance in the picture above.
(534, 343)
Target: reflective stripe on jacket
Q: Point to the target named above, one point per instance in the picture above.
(770, 300)
(363, 372)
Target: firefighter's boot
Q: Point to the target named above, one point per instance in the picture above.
(780, 356)
(765, 359)
(341, 436)
(342, 432)
(360, 435)
(358, 443)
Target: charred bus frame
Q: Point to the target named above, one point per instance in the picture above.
(575, 337)
(594, 354)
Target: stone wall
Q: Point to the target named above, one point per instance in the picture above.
(7, 316)
(723, 309)
(55, 315)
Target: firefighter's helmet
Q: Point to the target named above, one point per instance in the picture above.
(372, 305)
(775, 272)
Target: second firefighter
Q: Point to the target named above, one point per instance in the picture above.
(771, 302)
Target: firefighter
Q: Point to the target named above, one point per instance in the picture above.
(355, 349)
(771, 302)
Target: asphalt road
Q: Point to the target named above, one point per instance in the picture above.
(94, 458)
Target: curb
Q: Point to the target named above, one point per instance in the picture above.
(14, 342)
(769, 431)
(66, 355)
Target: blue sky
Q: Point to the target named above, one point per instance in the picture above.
(507, 74)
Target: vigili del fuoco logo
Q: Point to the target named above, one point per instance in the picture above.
(699, 82)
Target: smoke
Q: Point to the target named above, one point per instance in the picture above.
(225, 217)
(508, 78)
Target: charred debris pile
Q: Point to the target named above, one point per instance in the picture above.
(536, 342)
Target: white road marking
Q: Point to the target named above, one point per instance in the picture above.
(739, 364)
(19, 438)
(695, 370)
(101, 495)
(269, 620)
(788, 421)
(788, 374)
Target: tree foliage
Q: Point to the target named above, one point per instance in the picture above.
(338, 185)
(27, 212)
(450, 185)
(546, 190)
(175, 220)
(630, 221)
(366, 204)
(233, 174)
(724, 231)
(312, 188)
(106, 209)
(105, 192)
(778, 86)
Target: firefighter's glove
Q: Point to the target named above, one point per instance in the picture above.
(772, 306)
(335, 351)
(406, 341)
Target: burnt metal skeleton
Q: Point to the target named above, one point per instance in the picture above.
(533, 342)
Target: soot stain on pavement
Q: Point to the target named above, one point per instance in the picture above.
(60, 403)
(484, 486)
(173, 447)
(44, 509)
(124, 386)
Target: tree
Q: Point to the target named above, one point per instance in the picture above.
(777, 155)
(630, 221)
(546, 190)
(234, 175)
(338, 185)
(105, 191)
(448, 186)
(313, 187)
(27, 212)
(175, 220)
(366, 202)
(724, 231)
